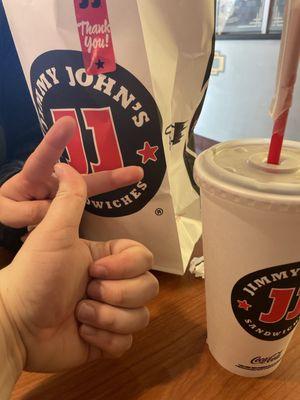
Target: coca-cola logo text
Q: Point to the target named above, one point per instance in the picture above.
(266, 360)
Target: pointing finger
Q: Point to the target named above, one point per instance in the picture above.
(129, 263)
(107, 181)
(39, 165)
(24, 213)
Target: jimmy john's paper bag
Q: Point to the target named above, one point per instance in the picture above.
(133, 74)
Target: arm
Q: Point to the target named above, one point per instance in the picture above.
(49, 324)
(12, 355)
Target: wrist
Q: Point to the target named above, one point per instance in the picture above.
(12, 351)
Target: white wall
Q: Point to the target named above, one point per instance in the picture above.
(238, 99)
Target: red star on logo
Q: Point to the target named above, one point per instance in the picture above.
(244, 304)
(148, 153)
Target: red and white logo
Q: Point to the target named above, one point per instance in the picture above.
(118, 124)
(266, 303)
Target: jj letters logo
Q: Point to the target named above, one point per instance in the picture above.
(266, 303)
(118, 124)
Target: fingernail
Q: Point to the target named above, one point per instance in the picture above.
(86, 313)
(88, 330)
(59, 169)
(100, 271)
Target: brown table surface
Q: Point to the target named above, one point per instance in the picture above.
(169, 360)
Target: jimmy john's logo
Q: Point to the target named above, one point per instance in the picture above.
(266, 303)
(118, 124)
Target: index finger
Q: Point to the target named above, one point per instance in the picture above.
(40, 163)
(130, 262)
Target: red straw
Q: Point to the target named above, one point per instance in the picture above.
(277, 138)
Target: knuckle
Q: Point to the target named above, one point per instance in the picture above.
(153, 284)
(129, 342)
(127, 243)
(33, 214)
(123, 267)
(143, 248)
(2, 214)
(141, 256)
(107, 319)
(117, 345)
(145, 319)
(64, 237)
(119, 296)
(94, 289)
(124, 270)
(149, 257)
(109, 292)
(76, 195)
(113, 178)
(111, 343)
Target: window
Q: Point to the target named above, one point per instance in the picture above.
(242, 19)
(276, 21)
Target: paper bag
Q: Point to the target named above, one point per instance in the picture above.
(133, 74)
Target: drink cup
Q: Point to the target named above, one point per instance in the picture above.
(251, 239)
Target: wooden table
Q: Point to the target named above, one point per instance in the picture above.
(169, 361)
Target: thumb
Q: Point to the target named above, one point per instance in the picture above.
(67, 207)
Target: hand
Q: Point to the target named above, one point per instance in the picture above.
(44, 291)
(25, 198)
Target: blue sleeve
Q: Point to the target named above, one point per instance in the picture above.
(20, 126)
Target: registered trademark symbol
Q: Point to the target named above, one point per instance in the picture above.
(159, 212)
